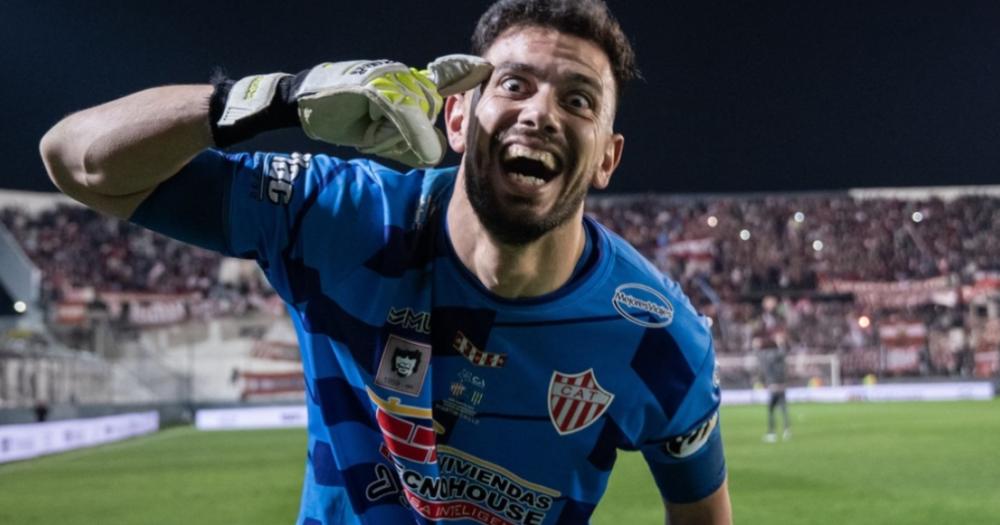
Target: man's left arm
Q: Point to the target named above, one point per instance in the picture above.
(714, 509)
(685, 455)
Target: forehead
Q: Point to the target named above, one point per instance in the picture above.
(551, 52)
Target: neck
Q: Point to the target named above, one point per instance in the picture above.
(529, 270)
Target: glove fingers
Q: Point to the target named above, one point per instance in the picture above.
(416, 129)
(349, 109)
(395, 147)
(382, 138)
(455, 74)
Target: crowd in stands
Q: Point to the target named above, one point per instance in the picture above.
(76, 247)
(728, 252)
(863, 239)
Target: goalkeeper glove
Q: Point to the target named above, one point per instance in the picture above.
(380, 107)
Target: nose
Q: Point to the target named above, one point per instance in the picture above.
(540, 112)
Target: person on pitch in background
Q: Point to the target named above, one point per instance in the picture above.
(771, 348)
(771, 360)
(474, 348)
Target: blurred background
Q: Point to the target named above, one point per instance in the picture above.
(823, 179)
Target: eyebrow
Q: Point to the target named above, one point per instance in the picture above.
(575, 77)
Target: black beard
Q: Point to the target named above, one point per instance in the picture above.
(506, 225)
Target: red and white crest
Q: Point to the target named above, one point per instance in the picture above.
(576, 401)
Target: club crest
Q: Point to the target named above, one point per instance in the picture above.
(576, 401)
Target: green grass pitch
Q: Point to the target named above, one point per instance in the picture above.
(912, 463)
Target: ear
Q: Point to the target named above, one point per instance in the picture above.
(612, 157)
(454, 122)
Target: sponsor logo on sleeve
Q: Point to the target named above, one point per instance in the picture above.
(643, 305)
(403, 366)
(683, 446)
(278, 185)
(576, 401)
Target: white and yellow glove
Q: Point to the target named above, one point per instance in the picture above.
(380, 107)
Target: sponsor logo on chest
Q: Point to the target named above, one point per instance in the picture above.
(576, 401)
(410, 319)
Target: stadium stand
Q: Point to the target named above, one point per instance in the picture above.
(888, 282)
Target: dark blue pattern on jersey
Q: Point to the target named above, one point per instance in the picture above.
(662, 367)
(605, 450)
(324, 466)
(403, 251)
(340, 402)
(474, 323)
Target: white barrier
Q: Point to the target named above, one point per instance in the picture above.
(295, 416)
(980, 391)
(38, 439)
(247, 418)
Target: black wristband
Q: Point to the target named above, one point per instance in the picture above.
(283, 111)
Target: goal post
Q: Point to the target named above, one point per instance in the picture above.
(802, 369)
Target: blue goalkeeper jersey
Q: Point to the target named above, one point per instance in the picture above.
(430, 398)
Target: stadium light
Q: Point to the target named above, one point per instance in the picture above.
(20, 307)
(799, 216)
(818, 245)
(745, 235)
(917, 216)
(713, 221)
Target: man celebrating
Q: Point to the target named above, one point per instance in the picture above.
(475, 349)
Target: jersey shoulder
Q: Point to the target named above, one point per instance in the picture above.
(650, 298)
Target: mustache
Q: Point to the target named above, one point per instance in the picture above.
(527, 132)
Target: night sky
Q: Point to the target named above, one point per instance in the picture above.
(738, 96)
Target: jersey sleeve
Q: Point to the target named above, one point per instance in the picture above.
(688, 463)
(279, 209)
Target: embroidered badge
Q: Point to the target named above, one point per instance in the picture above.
(576, 401)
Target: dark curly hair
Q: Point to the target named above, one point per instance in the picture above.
(587, 19)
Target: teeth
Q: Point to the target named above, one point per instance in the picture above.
(527, 179)
(519, 150)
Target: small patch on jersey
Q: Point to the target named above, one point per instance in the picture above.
(278, 185)
(410, 319)
(463, 345)
(403, 366)
(643, 305)
(683, 446)
(467, 393)
(576, 401)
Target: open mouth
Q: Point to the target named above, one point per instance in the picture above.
(529, 166)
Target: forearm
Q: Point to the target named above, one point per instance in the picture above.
(713, 510)
(110, 157)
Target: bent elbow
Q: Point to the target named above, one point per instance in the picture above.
(62, 164)
(53, 151)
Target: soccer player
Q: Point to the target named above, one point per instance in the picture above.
(771, 360)
(475, 349)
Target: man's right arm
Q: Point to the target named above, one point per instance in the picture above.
(112, 156)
